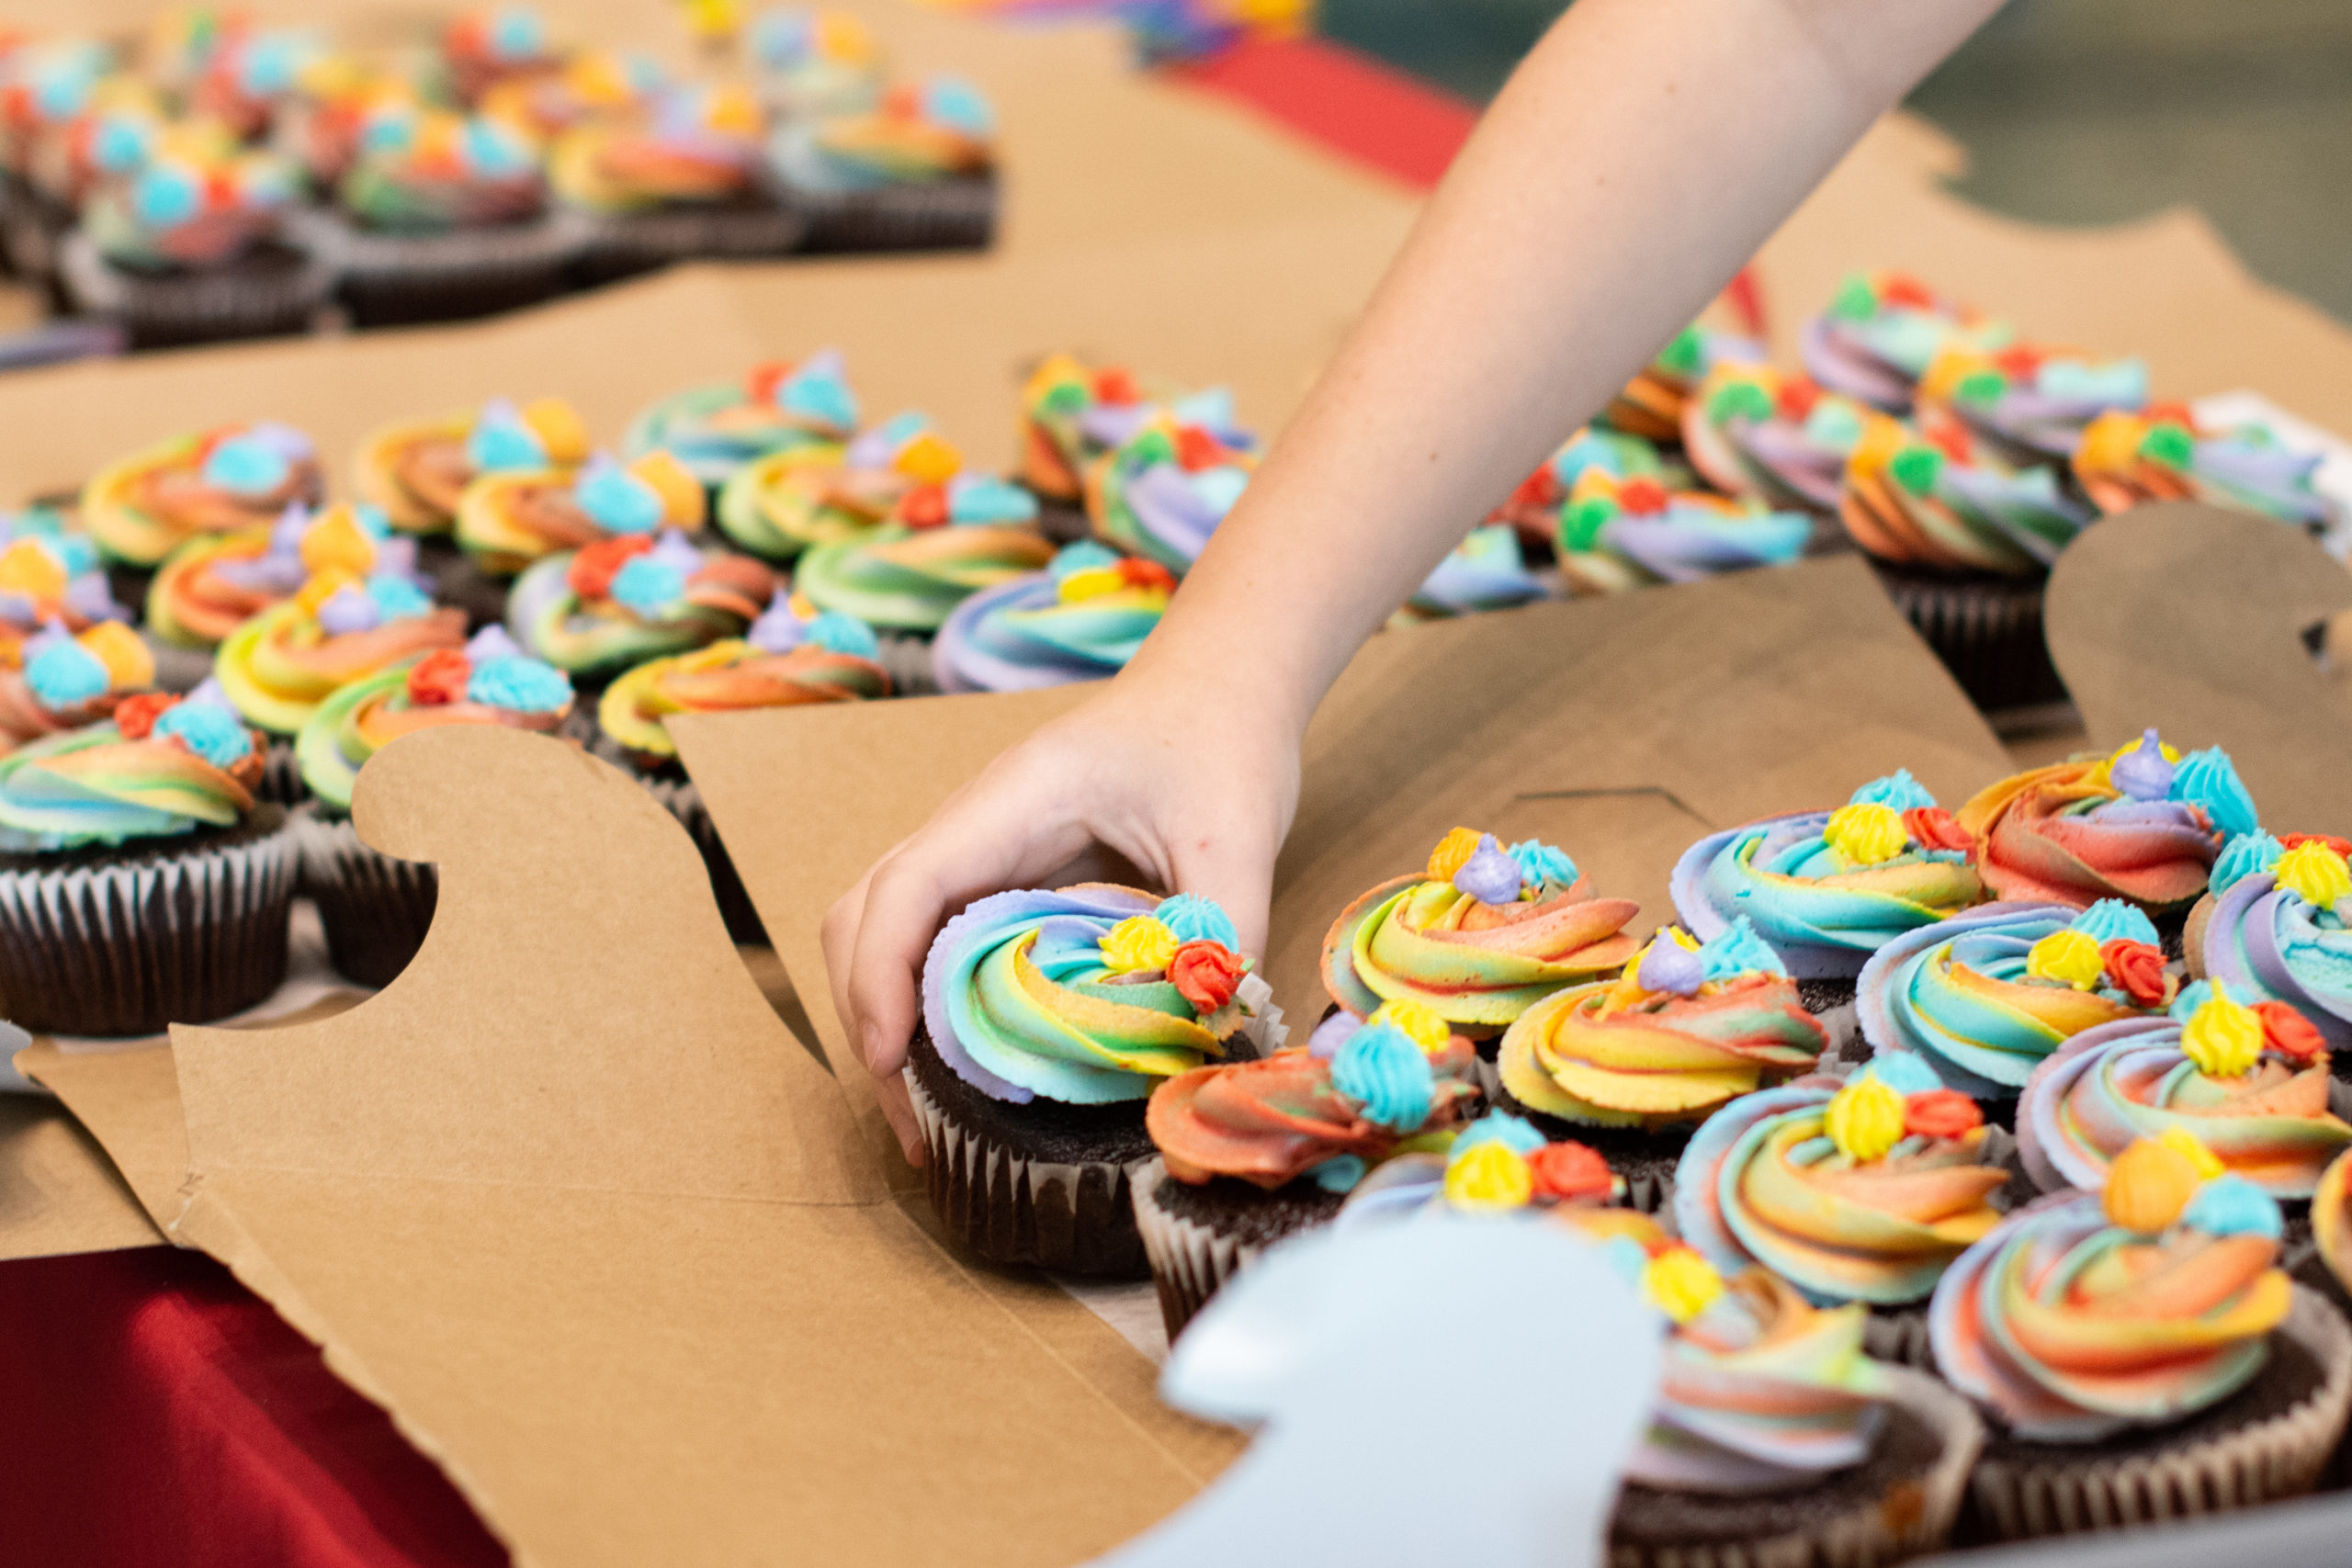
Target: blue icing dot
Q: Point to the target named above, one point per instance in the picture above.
(618, 500)
(2249, 854)
(246, 467)
(1085, 555)
(953, 101)
(166, 197)
(517, 684)
(2194, 995)
(1897, 791)
(978, 498)
(1539, 862)
(1904, 1072)
(1195, 919)
(1339, 1174)
(1383, 1070)
(2124, 384)
(1737, 949)
(516, 33)
(65, 674)
(648, 586)
(2112, 919)
(843, 633)
(215, 734)
(398, 599)
(821, 394)
(1499, 1127)
(494, 150)
(2231, 1205)
(2208, 779)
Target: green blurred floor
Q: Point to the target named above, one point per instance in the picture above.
(2073, 111)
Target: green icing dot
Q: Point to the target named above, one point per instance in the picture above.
(1855, 302)
(1581, 524)
(2167, 442)
(1916, 467)
(1152, 446)
(1738, 400)
(1982, 387)
(1682, 354)
(1066, 396)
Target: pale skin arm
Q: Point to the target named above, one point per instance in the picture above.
(1637, 157)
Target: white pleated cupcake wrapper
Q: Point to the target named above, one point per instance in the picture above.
(907, 659)
(131, 927)
(2281, 1457)
(1189, 1261)
(281, 776)
(370, 257)
(340, 872)
(221, 301)
(675, 236)
(933, 212)
(1914, 1518)
(1015, 1210)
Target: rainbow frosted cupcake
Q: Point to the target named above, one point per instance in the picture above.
(682, 177)
(1534, 509)
(2033, 401)
(68, 681)
(1752, 431)
(595, 611)
(805, 494)
(1655, 405)
(416, 472)
(909, 577)
(1161, 492)
(814, 64)
(2272, 929)
(1081, 619)
(210, 586)
(1883, 331)
(1615, 535)
(1486, 571)
(2167, 454)
(508, 518)
(230, 480)
(915, 172)
(718, 428)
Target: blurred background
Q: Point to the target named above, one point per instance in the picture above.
(2073, 111)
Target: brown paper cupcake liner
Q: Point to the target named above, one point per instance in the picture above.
(385, 280)
(1857, 1525)
(126, 942)
(1009, 1208)
(1987, 631)
(274, 290)
(2281, 1456)
(683, 801)
(614, 247)
(932, 215)
(375, 909)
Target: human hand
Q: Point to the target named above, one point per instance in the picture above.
(1198, 806)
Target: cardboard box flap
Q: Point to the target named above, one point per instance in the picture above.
(2197, 620)
(58, 1194)
(1623, 728)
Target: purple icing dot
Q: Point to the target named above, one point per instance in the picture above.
(1670, 966)
(2141, 773)
(1490, 875)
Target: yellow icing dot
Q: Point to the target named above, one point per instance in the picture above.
(336, 541)
(929, 461)
(2070, 957)
(1866, 832)
(1680, 1283)
(1864, 1118)
(2191, 1147)
(559, 429)
(1882, 439)
(130, 664)
(1138, 943)
(2223, 1037)
(714, 19)
(2148, 1186)
(843, 37)
(29, 569)
(323, 586)
(2110, 443)
(1091, 583)
(1453, 853)
(1417, 1019)
(1492, 1175)
(682, 494)
(2315, 874)
(732, 112)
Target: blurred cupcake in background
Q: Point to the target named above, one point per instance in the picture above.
(1486, 571)
(2033, 401)
(1615, 535)
(507, 518)
(2167, 454)
(1534, 508)
(231, 478)
(1161, 492)
(1883, 331)
(591, 86)
(915, 172)
(687, 177)
(593, 612)
(719, 428)
(483, 49)
(817, 493)
(250, 74)
(811, 65)
(1655, 404)
(1081, 619)
(1755, 432)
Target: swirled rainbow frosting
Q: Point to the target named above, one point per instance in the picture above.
(49, 574)
(1983, 997)
(1828, 888)
(1092, 995)
(1753, 430)
(416, 472)
(161, 767)
(1487, 572)
(2088, 1314)
(694, 144)
(210, 586)
(901, 470)
(2252, 1085)
(2167, 454)
(716, 428)
(2331, 1221)
(910, 579)
(2035, 399)
(507, 518)
(1859, 1191)
(69, 680)
(490, 681)
(1933, 496)
(1534, 507)
(435, 171)
(2138, 826)
(2275, 930)
(1081, 619)
(793, 655)
(226, 480)
(1161, 492)
(1685, 1029)
(1616, 535)
(935, 129)
(621, 601)
(276, 668)
(1654, 404)
(1479, 935)
(1882, 332)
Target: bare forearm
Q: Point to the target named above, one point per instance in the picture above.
(1634, 161)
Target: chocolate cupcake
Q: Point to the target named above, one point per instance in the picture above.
(1254, 1151)
(1081, 619)
(1615, 536)
(1631, 1066)
(1774, 1439)
(793, 655)
(1881, 334)
(2139, 1354)
(141, 883)
(1048, 1018)
(2168, 454)
(809, 493)
(916, 172)
(1655, 404)
(375, 908)
(719, 428)
(212, 585)
(909, 576)
(230, 480)
(508, 518)
(595, 611)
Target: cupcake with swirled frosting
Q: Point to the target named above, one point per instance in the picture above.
(1753, 430)
(229, 479)
(2274, 928)
(917, 171)
(1049, 1018)
(716, 428)
(1984, 996)
(1254, 1151)
(909, 574)
(1081, 619)
(814, 63)
(901, 471)
(209, 587)
(1534, 509)
(595, 611)
(1161, 492)
(2167, 454)
(278, 667)
(1933, 497)
(2251, 1083)
(2033, 401)
(1614, 537)
(508, 518)
(1825, 889)
(2139, 1352)
(67, 680)
(416, 472)
(133, 849)
(1882, 332)
(2143, 826)
(1655, 404)
(48, 573)
(1486, 571)
(375, 908)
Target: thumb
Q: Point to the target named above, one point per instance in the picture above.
(1237, 871)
